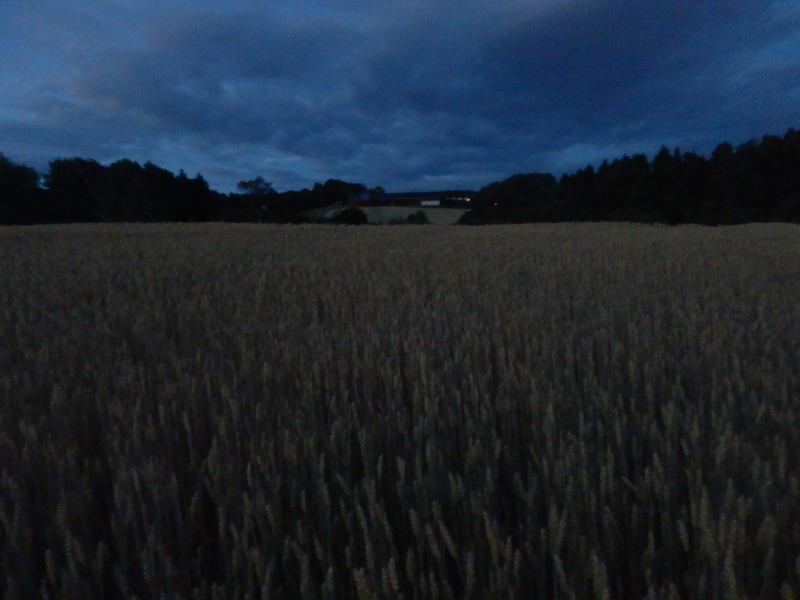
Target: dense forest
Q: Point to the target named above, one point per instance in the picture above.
(75, 190)
(755, 181)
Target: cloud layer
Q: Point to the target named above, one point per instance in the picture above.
(405, 94)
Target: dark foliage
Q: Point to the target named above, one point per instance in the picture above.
(81, 190)
(417, 218)
(351, 216)
(73, 187)
(756, 181)
(19, 193)
(262, 203)
(128, 191)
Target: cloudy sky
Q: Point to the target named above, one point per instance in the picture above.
(407, 94)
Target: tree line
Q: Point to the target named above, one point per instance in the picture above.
(756, 181)
(77, 190)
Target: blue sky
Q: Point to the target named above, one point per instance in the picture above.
(407, 94)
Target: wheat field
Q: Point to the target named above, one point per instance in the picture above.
(533, 411)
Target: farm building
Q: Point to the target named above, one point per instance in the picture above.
(413, 199)
(440, 208)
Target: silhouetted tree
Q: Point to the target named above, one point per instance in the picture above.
(72, 188)
(128, 191)
(258, 200)
(756, 181)
(256, 187)
(336, 191)
(19, 193)
(578, 194)
(520, 198)
(192, 199)
(519, 192)
(350, 216)
(687, 204)
(624, 187)
(780, 161)
(376, 192)
(419, 217)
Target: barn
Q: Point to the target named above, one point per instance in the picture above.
(441, 208)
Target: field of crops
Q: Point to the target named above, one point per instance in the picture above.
(537, 411)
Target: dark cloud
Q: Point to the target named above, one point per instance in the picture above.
(406, 94)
